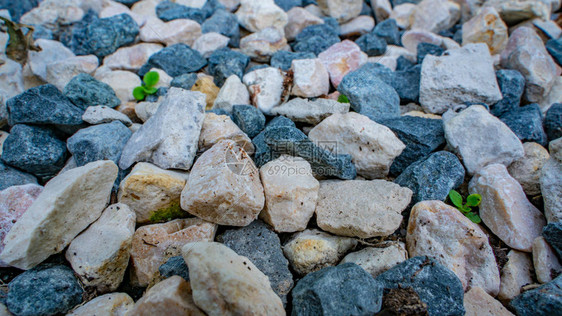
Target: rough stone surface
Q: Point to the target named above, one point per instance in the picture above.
(10, 177)
(478, 302)
(527, 170)
(360, 25)
(551, 188)
(232, 92)
(51, 51)
(169, 33)
(258, 15)
(486, 27)
(131, 58)
(284, 59)
(260, 46)
(378, 260)
(546, 265)
(84, 91)
(342, 10)
(298, 19)
(167, 60)
(224, 63)
(207, 43)
(544, 300)
(221, 127)
(505, 208)
(118, 304)
(103, 114)
(527, 123)
(435, 15)
(250, 119)
(342, 58)
(310, 78)
(316, 38)
(121, 81)
(174, 266)
(552, 122)
(205, 85)
(512, 86)
(310, 111)
(61, 72)
(266, 86)
(515, 274)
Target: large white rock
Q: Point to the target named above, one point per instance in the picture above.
(266, 86)
(372, 146)
(459, 76)
(100, 254)
(358, 208)
(60, 72)
(527, 170)
(377, 260)
(310, 111)
(505, 208)
(207, 43)
(486, 27)
(132, 57)
(515, 274)
(310, 78)
(551, 185)
(224, 186)
(221, 127)
(342, 10)
(232, 92)
(169, 138)
(68, 204)
(435, 15)
(112, 304)
(169, 33)
(258, 15)
(225, 283)
(440, 231)
(299, 18)
(260, 46)
(51, 51)
(481, 138)
(545, 261)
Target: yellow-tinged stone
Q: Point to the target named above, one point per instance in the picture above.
(206, 85)
(486, 27)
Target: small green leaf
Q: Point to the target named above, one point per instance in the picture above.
(474, 218)
(465, 209)
(151, 78)
(148, 90)
(456, 198)
(343, 99)
(473, 200)
(139, 93)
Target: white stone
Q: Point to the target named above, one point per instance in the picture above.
(377, 260)
(11, 79)
(438, 230)
(358, 208)
(312, 250)
(221, 127)
(545, 261)
(549, 28)
(513, 11)
(470, 78)
(382, 9)
(486, 27)
(310, 111)
(299, 18)
(68, 204)
(3, 136)
(112, 304)
(207, 43)
(477, 302)
(435, 15)
(260, 46)
(527, 170)
(121, 81)
(403, 14)
(51, 13)
(60, 72)
(551, 188)
(342, 10)
(225, 283)
(146, 7)
(169, 138)
(554, 96)
(266, 86)
(315, 10)
(310, 78)
(515, 274)
(113, 8)
(198, 4)
(291, 192)
(360, 25)
(258, 15)
(224, 186)
(372, 146)
(169, 33)
(232, 92)
(496, 142)
(144, 110)
(100, 254)
(131, 58)
(51, 51)
(102, 114)
(505, 208)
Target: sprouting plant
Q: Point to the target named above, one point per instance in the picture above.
(472, 200)
(148, 87)
(343, 99)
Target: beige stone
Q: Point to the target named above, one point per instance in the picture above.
(60, 72)
(121, 81)
(403, 14)
(527, 170)
(55, 12)
(435, 15)
(310, 78)
(131, 58)
(112, 304)
(477, 303)
(377, 260)
(438, 230)
(266, 86)
(554, 96)
(146, 7)
(169, 33)
(232, 92)
(411, 39)
(360, 25)
(154, 244)
(514, 11)
(546, 264)
(205, 85)
(515, 274)
(225, 283)
(258, 15)
(260, 46)
(310, 111)
(221, 127)
(112, 8)
(207, 43)
(342, 10)
(486, 27)
(299, 18)
(382, 9)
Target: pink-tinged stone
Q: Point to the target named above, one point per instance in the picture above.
(14, 201)
(342, 58)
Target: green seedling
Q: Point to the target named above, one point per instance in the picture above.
(343, 99)
(472, 200)
(150, 80)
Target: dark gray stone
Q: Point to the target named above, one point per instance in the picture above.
(545, 300)
(84, 91)
(263, 153)
(388, 30)
(366, 9)
(47, 289)
(369, 95)
(44, 105)
(425, 49)
(552, 233)
(35, 150)
(212, 6)
(554, 47)
(262, 246)
(185, 81)
(553, 121)
(18, 8)
(225, 62)
(128, 2)
(10, 177)
(283, 59)
(249, 118)
(159, 93)
(220, 112)
(405, 82)
(345, 289)
(421, 137)
(436, 285)
(434, 177)
(225, 23)
(168, 11)
(512, 86)
(526, 123)
(316, 39)
(399, 2)
(174, 266)
(371, 44)
(403, 63)
(287, 5)
(175, 60)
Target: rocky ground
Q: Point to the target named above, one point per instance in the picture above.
(294, 157)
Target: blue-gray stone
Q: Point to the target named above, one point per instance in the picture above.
(369, 95)
(185, 81)
(168, 11)
(552, 233)
(399, 2)
(212, 6)
(287, 5)
(545, 300)
(420, 135)
(225, 23)
(308, 2)
(371, 44)
(224, 63)
(437, 286)
(406, 82)
(316, 39)
(18, 8)
(283, 59)
(249, 118)
(366, 9)
(512, 86)
(44, 105)
(263, 153)
(425, 49)
(345, 289)
(291, 141)
(10, 176)
(174, 266)
(220, 112)
(47, 289)
(526, 123)
(554, 47)
(403, 63)
(128, 2)
(388, 30)
(432, 178)
(262, 246)
(84, 91)
(42, 32)
(34, 149)
(162, 91)
(553, 121)
(175, 60)
(333, 23)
